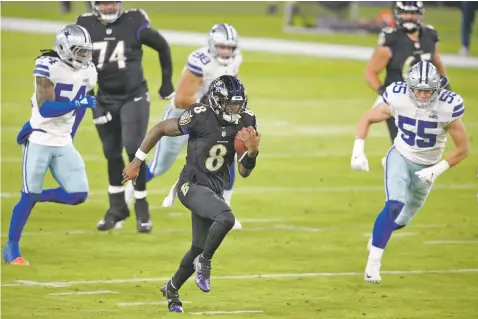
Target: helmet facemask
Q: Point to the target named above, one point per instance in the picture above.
(409, 15)
(107, 11)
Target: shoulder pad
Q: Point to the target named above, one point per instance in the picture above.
(139, 12)
(452, 104)
(45, 66)
(429, 26)
(386, 35)
(84, 15)
(197, 62)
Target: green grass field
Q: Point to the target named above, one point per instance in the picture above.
(306, 214)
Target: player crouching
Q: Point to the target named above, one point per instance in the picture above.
(424, 114)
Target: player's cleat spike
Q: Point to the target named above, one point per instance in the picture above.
(11, 254)
(112, 220)
(174, 304)
(203, 273)
(372, 272)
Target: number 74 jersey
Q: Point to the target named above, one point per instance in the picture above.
(422, 132)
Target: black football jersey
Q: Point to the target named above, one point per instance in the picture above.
(117, 55)
(406, 52)
(210, 146)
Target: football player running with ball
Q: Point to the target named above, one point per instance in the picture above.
(212, 131)
(424, 113)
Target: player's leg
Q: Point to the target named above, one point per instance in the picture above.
(134, 123)
(417, 195)
(36, 159)
(167, 149)
(397, 180)
(108, 126)
(200, 229)
(68, 169)
(207, 204)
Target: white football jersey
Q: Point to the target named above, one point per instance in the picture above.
(69, 84)
(202, 64)
(422, 133)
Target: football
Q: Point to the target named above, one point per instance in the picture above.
(239, 146)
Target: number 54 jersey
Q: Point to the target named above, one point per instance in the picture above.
(422, 131)
(210, 146)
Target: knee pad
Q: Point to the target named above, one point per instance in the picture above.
(77, 198)
(394, 208)
(226, 218)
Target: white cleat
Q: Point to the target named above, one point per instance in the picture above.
(237, 225)
(372, 272)
(129, 193)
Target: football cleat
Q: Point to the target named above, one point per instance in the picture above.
(112, 220)
(203, 273)
(372, 272)
(174, 304)
(143, 219)
(11, 254)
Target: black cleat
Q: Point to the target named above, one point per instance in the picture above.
(143, 219)
(174, 304)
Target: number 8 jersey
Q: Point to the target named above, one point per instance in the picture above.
(210, 146)
(422, 132)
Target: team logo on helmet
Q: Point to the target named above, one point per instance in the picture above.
(220, 87)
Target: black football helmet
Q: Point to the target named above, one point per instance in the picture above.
(227, 98)
(110, 13)
(413, 7)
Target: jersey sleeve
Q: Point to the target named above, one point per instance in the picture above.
(433, 33)
(140, 20)
(198, 62)
(389, 97)
(45, 67)
(250, 119)
(386, 38)
(458, 108)
(189, 121)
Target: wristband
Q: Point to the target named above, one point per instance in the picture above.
(140, 155)
(247, 161)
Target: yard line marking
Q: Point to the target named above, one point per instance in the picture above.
(132, 304)
(259, 276)
(70, 293)
(235, 312)
(292, 190)
(445, 242)
(395, 234)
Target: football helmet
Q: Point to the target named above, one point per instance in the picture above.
(110, 13)
(223, 35)
(410, 25)
(73, 45)
(227, 98)
(424, 83)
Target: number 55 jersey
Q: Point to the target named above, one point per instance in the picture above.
(422, 132)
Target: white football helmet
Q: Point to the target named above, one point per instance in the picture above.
(73, 45)
(424, 83)
(223, 35)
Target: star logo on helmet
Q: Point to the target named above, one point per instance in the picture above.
(67, 33)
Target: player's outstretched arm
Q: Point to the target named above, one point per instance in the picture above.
(187, 88)
(247, 161)
(378, 114)
(457, 132)
(169, 127)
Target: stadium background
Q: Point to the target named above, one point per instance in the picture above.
(306, 214)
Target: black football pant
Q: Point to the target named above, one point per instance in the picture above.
(211, 220)
(392, 128)
(119, 127)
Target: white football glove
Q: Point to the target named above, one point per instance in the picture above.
(359, 162)
(429, 175)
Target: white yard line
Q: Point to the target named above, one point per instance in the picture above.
(234, 312)
(150, 303)
(71, 293)
(450, 242)
(271, 46)
(240, 277)
(290, 190)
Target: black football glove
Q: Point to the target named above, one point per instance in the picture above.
(166, 91)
